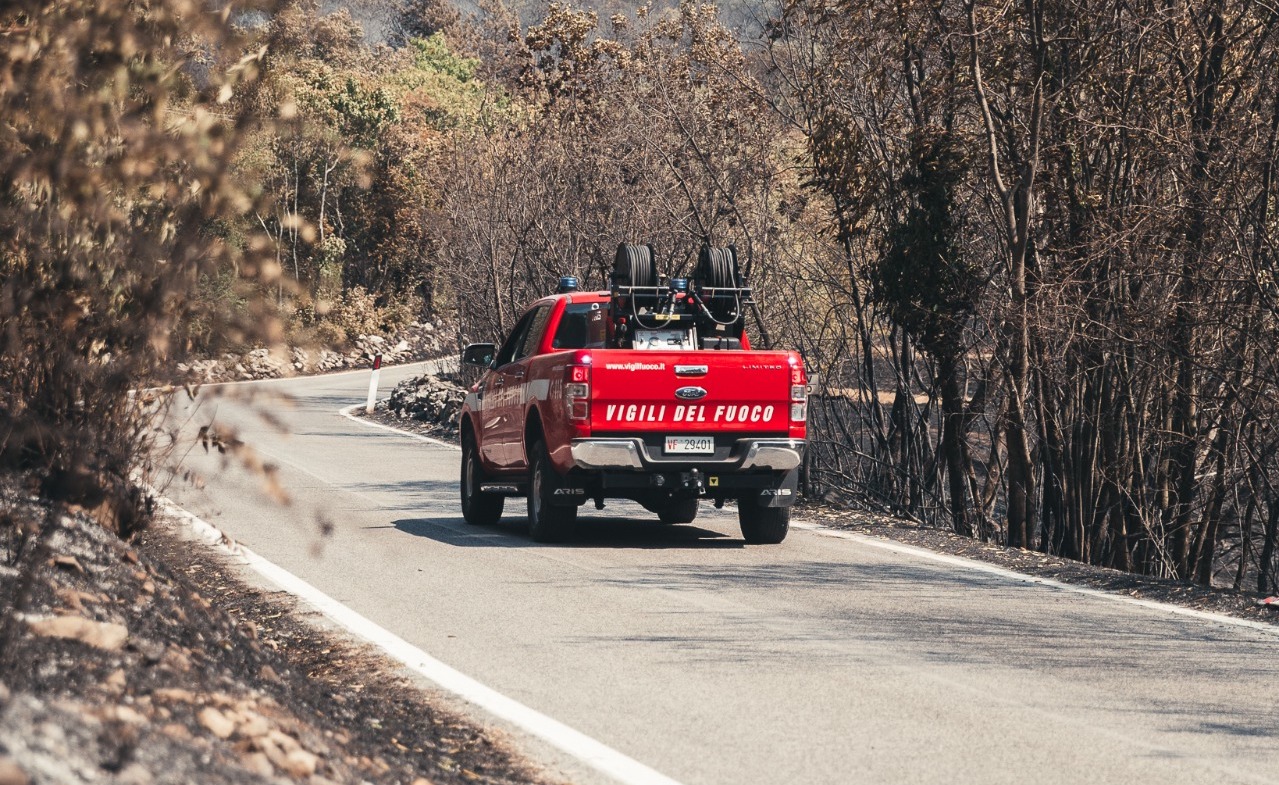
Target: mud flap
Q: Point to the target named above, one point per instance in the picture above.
(784, 494)
(562, 491)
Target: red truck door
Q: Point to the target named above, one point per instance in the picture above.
(505, 392)
(495, 406)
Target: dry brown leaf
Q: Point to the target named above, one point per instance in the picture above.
(68, 563)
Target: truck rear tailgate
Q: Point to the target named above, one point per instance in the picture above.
(707, 392)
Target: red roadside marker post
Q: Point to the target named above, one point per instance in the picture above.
(377, 369)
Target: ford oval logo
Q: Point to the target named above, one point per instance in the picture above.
(690, 393)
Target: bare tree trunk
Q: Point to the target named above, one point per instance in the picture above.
(1017, 202)
(954, 445)
(1202, 94)
(1267, 580)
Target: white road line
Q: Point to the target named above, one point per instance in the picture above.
(1002, 572)
(373, 424)
(595, 754)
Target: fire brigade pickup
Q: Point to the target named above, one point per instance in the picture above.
(649, 391)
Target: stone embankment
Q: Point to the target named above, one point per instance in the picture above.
(418, 341)
(432, 400)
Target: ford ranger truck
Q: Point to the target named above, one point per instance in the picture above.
(561, 419)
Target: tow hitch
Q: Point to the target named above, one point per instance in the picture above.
(689, 483)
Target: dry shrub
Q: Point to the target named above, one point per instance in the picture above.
(118, 123)
(358, 312)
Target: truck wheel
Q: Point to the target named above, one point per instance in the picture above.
(679, 511)
(478, 508)
(762, 525)
(546, 522)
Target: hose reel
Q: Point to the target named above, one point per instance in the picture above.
(705, 311)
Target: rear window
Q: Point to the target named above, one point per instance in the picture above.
(583, 326)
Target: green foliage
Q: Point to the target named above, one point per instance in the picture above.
(332, 252)
(439, 88)
(434, 56)
(353, 177)
(363, 113)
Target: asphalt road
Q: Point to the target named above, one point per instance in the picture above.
(821, 660)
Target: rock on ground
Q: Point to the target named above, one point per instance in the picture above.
(428, 399)
(418, 341)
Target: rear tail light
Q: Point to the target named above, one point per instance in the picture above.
(798, 391)
(797, 374)
(577, 390)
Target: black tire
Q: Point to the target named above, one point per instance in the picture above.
(717, 270)
(717, 267)
(478, 508)
(546, 522)
(679, 511)
(762, 525)
(634, 266)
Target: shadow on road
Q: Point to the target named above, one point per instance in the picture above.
(590, 532)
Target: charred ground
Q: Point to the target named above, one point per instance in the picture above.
(150, 662)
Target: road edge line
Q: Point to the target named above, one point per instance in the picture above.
(574, 743)
(1052, 583)
(346, 412)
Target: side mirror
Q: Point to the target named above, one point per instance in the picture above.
(480, 354)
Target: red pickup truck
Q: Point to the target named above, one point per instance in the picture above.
(649, 391)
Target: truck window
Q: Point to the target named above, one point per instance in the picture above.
(513, 341)
(582, 326)
(534, 335)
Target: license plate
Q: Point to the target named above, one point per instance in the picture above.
(690, 445)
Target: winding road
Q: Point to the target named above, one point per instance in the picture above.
(826, 659)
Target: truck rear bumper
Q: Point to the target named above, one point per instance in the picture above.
(778, 455)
